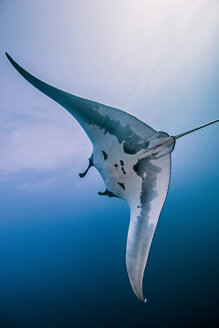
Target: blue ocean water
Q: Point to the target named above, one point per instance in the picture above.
(63, 254)
(62, 247)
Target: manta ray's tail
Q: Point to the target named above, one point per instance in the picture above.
(190, 131)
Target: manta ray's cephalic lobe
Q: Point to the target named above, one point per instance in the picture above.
(134, 161)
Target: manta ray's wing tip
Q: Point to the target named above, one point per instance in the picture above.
(140, 296)
(142, 299)
(9, 58)
(7, 55)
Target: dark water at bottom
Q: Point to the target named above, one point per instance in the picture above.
(63, 263)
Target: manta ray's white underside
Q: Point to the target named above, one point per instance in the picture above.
(133, 160)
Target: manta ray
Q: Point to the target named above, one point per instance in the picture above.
(134, 161)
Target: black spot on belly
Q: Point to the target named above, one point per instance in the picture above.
(116, 165)
(121, 184)
(139, 168)
(105, 155)
(123, 171)
(121, 162)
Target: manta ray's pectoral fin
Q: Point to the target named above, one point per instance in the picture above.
(82, 175)
(107, 193)
(147, 197)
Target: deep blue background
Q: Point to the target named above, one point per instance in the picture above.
(63, 256)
